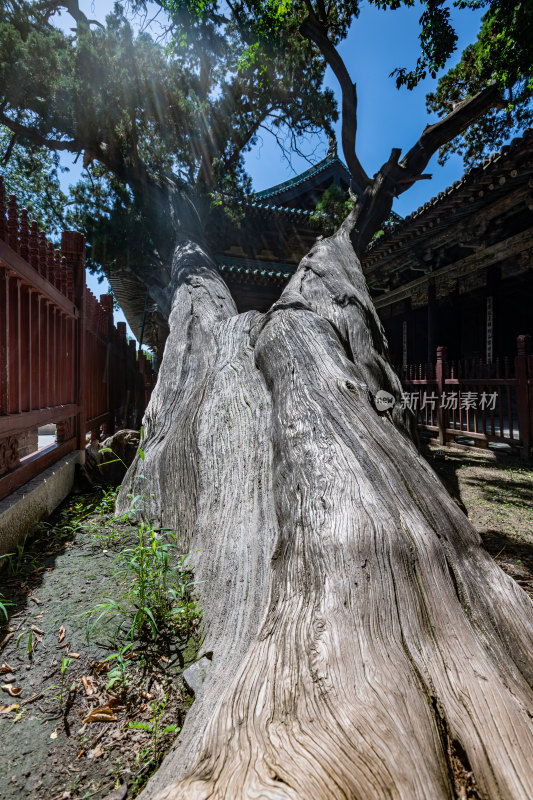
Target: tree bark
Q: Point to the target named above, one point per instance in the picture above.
(363, 644)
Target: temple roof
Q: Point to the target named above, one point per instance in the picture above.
(501, 174)
(491, 201)
(304, 190)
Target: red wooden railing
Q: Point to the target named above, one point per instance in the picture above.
(482, 401)
(61, 358)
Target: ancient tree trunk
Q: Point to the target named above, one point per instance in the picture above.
(363, 643)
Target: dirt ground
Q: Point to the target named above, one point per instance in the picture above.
(75, 729)
(496, 488)
(74, 733)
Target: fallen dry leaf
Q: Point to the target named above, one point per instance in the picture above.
(62, 646)
(101, 717)
(6, 639)
(61, 634)
(102, 714)
(73, 655)
(36, 600)
(54, 734)
(97, 752)
(147, 695)
(37, 630)
(80, 754)
(13, 691)
(6, 668)
(114, 702)
(88, 685)
(7, 709)
(165, 659)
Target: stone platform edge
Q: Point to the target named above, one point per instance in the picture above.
(36, 500)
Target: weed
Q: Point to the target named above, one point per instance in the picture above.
(118, 675)
(3, 606)
(65, 663)
(151, 754)
(157, 588)
(16, 561)
(74, 784)
(107, 503)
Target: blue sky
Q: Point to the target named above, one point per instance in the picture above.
(378, 42)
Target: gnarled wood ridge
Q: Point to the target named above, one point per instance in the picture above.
(362, 642)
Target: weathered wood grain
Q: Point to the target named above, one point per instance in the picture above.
(363, 643)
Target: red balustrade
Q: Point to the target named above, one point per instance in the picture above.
(62, 360)
(473, 400)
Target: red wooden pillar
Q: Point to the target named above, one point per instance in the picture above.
(25, 348)
(440, 375)
(4, 340)
(73, 249)
(122, 395)
(14, 354)
(53, 360)
(46, 343)
(35, 346)
(106, 301)
(34, 246)
(524, 395)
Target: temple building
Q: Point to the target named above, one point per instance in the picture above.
(457, 272)
(258, 258)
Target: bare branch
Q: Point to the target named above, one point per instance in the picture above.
(315, 33)
(443, 131)
(73, 8)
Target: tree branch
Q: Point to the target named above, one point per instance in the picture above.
(9, 150)
(73, 8)
(443, 131)
(137, 176)
(72, 145)
(316, 34)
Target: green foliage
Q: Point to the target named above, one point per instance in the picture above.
(118, 676)
(157, 587)
(331, 210)
(60, 687)
(152, 119)
(20, 560)
(502, 54)
(163, 126)
(32, 174)
(437, 41)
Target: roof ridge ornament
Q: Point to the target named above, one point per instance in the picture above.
(332, 149)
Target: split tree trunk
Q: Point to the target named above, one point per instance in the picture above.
(364, 645)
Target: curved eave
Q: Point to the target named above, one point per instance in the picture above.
(130, 293)
(463, 198)
(289, 190)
